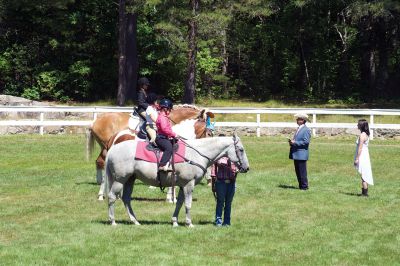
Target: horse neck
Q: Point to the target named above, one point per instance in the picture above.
(213, 148)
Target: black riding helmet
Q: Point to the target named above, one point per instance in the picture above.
(143, 81)
(166, 103)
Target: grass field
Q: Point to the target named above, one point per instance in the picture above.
(49, 214)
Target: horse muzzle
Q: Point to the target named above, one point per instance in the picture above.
(244, 170)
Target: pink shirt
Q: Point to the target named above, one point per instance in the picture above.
(164, 126)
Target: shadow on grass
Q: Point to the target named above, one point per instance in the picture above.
(205, 222)
(127, 222)
(86, 183)
(350, 194)
(152, 199)
(146, 199)
(287, 187)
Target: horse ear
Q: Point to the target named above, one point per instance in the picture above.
(235, 136)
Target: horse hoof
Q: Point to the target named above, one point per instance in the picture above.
(175, 224)
(113, 224)
(170, 201)
(136, 222)
(100, 198)
(190, 225)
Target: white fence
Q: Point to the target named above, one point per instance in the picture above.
(313, 112)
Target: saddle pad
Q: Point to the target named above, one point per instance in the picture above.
(149, 156)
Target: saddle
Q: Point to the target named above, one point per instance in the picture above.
(148, 152)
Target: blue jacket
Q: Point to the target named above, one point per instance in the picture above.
(299, 150)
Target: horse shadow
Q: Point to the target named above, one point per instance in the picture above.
(86, 183)
(153, 199)
(146, 199)
(142, 222)
(287, 187)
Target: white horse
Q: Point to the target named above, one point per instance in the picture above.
(122, 170)
(185, 129)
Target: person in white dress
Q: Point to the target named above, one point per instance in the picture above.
(362, 162)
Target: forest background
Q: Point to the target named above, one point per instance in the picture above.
(329, 51)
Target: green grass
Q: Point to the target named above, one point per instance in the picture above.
(49, 214)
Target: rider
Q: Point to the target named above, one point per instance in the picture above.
(165, 133)
(144, 85)
(151, 116)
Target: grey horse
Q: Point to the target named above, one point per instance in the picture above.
(122, 170)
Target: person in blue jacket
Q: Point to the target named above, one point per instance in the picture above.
(299, 149)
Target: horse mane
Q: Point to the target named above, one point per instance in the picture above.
(190, 106)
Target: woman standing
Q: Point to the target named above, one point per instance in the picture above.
(362, 161)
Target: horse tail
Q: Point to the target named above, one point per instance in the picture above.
(89, 144)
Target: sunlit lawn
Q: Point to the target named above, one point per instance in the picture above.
(49, 214)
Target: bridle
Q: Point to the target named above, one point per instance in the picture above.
(237, 151)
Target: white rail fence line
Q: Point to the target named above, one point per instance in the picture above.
(42, 110)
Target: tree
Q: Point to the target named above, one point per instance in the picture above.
(190, 84)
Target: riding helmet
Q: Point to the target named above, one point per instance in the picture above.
(166, 103)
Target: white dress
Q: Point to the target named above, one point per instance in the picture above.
(364, 163)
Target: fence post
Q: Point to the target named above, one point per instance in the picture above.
(258, 125)
(314, 120)
(41, 120)
(371, 124)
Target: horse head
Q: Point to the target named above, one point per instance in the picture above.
(237, 154)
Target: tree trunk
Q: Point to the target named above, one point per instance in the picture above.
(224, 61)
(343, 81)
(190, 83)
(383, 53)
(121, 96)
(132, 63)
(368, 58)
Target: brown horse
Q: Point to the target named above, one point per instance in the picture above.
(109, 124)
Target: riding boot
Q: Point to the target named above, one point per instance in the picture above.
(364, 192)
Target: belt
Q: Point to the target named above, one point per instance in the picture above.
(226, 181)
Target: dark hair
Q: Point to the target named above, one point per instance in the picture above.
(143, 81)
(363, 126)
(151, 98)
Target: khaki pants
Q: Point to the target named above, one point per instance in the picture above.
(152, 133)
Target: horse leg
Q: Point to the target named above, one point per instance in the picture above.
(178, 206)
(169, 196)
(115, 190)
(100, 161)
(127, 198)
(188, 191)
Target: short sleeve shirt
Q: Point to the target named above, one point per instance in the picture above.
(151, 111)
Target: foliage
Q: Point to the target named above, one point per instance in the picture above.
(298, 50)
